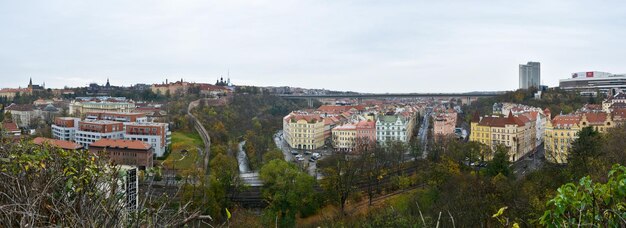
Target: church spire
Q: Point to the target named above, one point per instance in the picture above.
(108, 84)
(30, 82)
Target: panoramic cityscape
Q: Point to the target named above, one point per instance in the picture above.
(190, 118)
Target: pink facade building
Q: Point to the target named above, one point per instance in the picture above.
(366, 129)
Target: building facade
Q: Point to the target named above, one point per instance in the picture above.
(64, 128)
(124, 152)
(529, 75)
(304, 131)
(80, 107)
(392, 128)
(591, 82)
(366, 131)
(91, 131)
(515, 133)
(444, 124)
(344, 137)
(563, 130)
(155, 134)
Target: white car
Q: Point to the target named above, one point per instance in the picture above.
(317, 155)
(300, 159)
(299, 156)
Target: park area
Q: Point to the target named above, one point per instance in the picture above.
(180, 160)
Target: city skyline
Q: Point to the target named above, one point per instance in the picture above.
(366, 47)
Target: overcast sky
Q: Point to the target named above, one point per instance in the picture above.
(366, 46)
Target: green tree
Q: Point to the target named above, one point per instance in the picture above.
(287, 189)
(585, 149)
(339, 179)
(589, 204)
(48, 186)
(500, 162)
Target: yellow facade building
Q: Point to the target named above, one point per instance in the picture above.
(563, 130)
(303, 131)
(516, 133)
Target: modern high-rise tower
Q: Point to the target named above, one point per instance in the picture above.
(529, 75)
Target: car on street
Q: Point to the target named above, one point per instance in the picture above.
(311, 159)
(316, 155)
(299, 156)
(294, 152)
(307, 152)
(300, 159)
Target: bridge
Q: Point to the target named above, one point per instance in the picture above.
(468, 96)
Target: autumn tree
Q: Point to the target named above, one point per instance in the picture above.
(585, 149)
(500, 162)
(287, 189)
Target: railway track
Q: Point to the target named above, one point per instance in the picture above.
(253, 197)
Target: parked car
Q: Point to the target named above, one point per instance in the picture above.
(300, 159)
(311, 159)
(307, 152)
(317, 155)
(294, 152)
(299, 156)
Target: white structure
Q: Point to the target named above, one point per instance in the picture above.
(81, 106)
(64, 128)
(391, 128)
(91, 131)
(529, 75)
(588, 83)
(155, 134)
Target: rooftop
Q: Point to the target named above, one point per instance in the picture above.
(57, 143)
(121, 144)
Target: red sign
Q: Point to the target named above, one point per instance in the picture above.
(590, 74)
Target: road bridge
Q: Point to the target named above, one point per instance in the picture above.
(468, 96)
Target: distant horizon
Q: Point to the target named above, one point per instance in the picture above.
(129, 85)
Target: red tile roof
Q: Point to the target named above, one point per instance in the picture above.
(499, 121)
(307, 117)
(366, 124)
(596, 118)
(121, 144)
(10, 127)
(619, 114)
(57, 143)
(20, 107)
(566, 120)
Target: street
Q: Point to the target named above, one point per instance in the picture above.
(529, 163)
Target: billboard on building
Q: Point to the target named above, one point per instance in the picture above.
(590, 74)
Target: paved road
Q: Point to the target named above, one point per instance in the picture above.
(311, 167)
(423, 132)
(529, 163)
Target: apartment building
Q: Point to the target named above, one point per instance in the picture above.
(124, 152)
(516, 133)
(155, 134)
(563, 130)
(366, 131)
(90, 131)
(303, 130)
(444, 123)
(100, 104)
(344, 137)
(117, 116)
(64, 128)
(393, 127)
